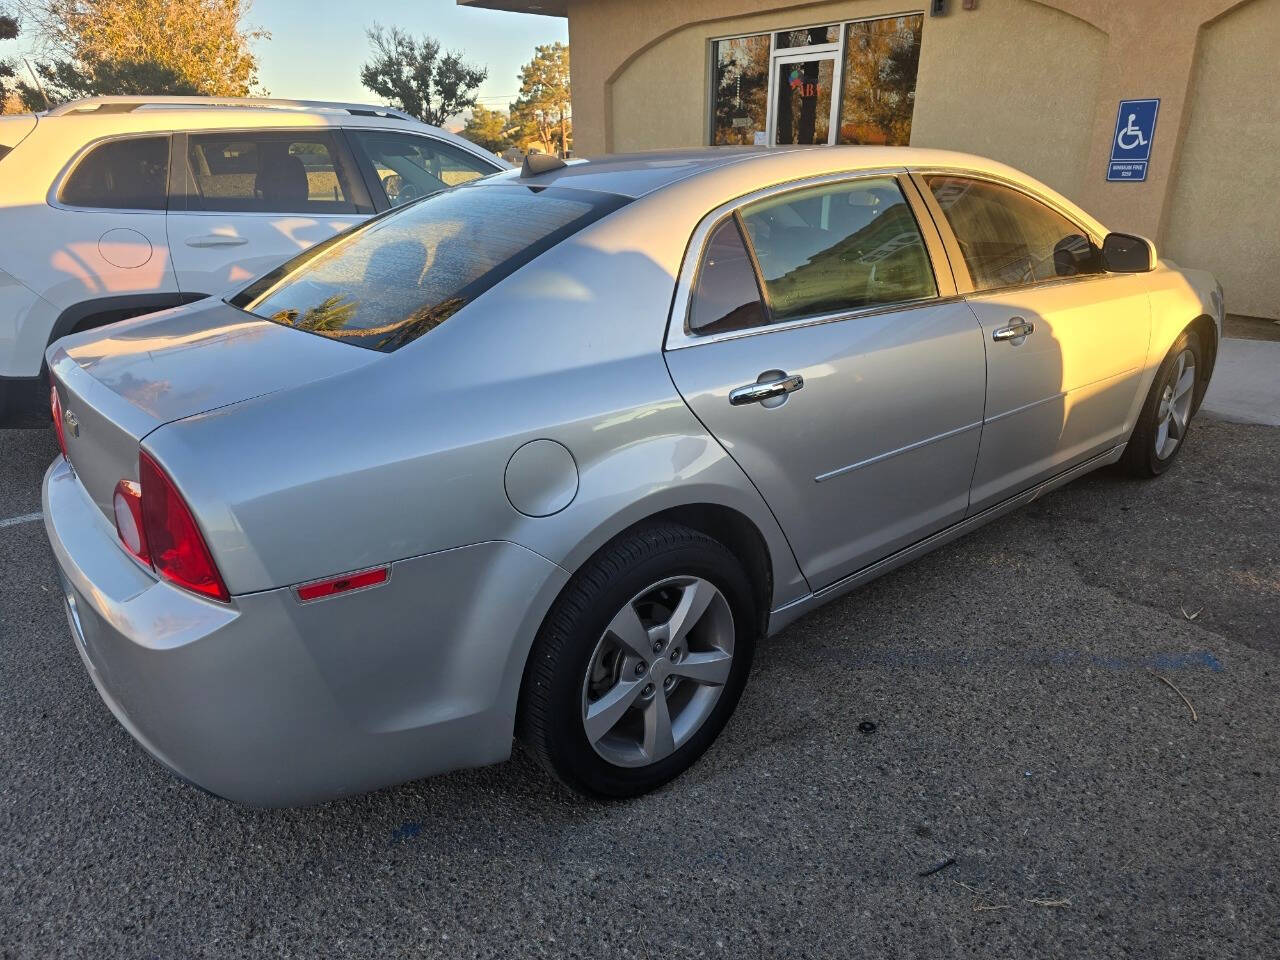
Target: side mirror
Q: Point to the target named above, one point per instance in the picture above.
(1125, 253)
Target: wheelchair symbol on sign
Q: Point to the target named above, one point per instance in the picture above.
(1130, 137)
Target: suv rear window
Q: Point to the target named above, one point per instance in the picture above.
(128, 174)
(401, 275)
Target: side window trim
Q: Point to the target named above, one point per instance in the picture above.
(368, 175)
(359, 201)
(678, 333)
(750, 247)
(54, 196)
(963, 278)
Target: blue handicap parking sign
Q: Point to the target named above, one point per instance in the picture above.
(1131, 144)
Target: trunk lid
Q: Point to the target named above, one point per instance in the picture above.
(120, 382)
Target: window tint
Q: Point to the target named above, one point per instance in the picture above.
(401, 275)
(121, 175)
(840, 247)
(1007, 238)
(284, 173)
(410, 167)
(726, 295)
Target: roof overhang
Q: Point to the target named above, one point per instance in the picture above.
(548, 8)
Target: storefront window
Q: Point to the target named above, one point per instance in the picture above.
(741, 90)
(836, 83)
(880, 65)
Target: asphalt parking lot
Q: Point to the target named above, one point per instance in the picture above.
(1022, 730)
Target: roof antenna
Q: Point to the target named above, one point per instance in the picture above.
(536, 163)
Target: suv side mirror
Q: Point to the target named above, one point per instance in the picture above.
(1125, 253)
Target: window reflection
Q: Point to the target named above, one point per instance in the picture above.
(882, 58)
(741, 90)
(837, 248)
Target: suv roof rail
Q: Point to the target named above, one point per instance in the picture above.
(129, 104)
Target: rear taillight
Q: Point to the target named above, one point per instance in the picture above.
(170, 536)
(127, 505)
(55, 409)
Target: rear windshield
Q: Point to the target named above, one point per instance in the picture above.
(401, 275)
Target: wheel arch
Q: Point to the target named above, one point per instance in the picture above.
(1206, 330)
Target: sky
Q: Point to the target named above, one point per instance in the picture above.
(317, 46)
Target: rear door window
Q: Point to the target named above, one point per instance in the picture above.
(399, 276)
(1007, 238)
(725, 296)
(837, 248)
(130, 174)
(410, 167)
(241, 171)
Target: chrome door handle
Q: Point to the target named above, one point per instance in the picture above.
(767, 390)
(216, 240)
(1018, 329)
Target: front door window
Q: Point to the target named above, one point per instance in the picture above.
(802, 105)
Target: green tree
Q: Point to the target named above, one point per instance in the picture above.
(488, 128)
(543, 109)
(143, 47)
(63, 80)
(416, 77)
(8, 69)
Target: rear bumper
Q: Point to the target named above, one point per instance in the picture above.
(269, 702)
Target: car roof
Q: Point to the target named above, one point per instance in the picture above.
(737, 170)
(96, 117)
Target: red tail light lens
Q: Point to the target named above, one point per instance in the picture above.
(177, 548)
(127, 504)
(55, 408)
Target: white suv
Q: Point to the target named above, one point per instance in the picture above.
(116, 206)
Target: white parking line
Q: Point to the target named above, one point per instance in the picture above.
(25, 518)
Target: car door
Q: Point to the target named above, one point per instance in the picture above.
(107, 218)
(244, 201)
(814, 339)
(401, 167)
(1065, 342)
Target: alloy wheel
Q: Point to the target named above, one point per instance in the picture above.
(1174, 411)
(657, 671)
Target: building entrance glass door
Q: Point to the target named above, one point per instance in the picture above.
(804, 110)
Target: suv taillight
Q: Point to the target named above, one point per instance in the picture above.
(156, 526)
(55, 409)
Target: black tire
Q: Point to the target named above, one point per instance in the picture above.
(550, 715)
(1141, 458)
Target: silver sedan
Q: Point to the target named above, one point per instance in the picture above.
(545, 455)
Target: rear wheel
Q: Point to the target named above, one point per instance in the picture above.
(1166, 415)
(640, 662)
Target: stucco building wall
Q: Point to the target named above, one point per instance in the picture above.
(1035, 83)
(1224, 211)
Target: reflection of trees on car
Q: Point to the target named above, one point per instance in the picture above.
(329, 315)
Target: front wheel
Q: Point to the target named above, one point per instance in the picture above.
(640, 662)
(1166, 415)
